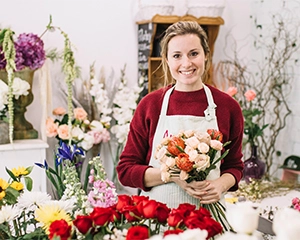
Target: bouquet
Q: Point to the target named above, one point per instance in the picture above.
(192, 155)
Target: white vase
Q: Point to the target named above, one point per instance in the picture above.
(149, 8)
(205, 8)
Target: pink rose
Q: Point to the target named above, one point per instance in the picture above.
(51, 127)
(216, 144)
(250, 95)
(59, 111)
(231, 91)
(80, 114)
(63, 132)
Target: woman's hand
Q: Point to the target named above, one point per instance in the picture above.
(207, 191)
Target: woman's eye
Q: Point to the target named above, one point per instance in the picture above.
(176, 56)
(194, 54)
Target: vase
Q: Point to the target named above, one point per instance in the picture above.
(4, 132)
(22, 128)
(254, 168)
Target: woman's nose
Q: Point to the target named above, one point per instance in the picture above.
(186, 62)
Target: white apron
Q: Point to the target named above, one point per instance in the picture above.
(171, 193)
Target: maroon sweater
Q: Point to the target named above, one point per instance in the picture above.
(135, 157)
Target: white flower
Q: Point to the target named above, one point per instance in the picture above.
(203, 147)
(77, 133)
(183, 175)
(20, 87)
(96, 125)
(193, 234)
(30, 200)
(8, 213)
(216, 144)
(192, 142)
(286, 224)
(239, 236)
(87, 142)
(243, 217)
(3, 94)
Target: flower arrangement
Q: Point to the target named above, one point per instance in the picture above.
(251, 112)
(83, 133)
(296, 203)
(19, 88)
(26, 52)
(191, 155)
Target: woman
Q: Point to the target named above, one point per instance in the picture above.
(188, 104)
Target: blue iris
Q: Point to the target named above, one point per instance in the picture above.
(66, 152)
(44, 166)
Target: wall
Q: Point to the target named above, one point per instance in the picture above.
(104, 32)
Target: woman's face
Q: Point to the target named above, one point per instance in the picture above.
(186, 61)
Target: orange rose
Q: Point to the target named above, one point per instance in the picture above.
(80, 114)
(175, 145)
(60, 111)
(215, 134)
(63, 132)
(183, 162)
(51, 127)
(250, 95)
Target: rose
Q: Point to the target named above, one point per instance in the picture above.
(80, 114)
(250, 95)
(175, 146)
(231, 91)
(83, 223)
(173, 232)
(101, 216)
(20, 87)
(59, 111)
(51, 127)
(216, 144)
(123, 200)
(183, 162)
(137, 233)
(215, 134)
(61, 229)
(63, 131)
(132, 213)
(175, 218)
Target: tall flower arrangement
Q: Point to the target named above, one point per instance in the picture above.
(124, 104)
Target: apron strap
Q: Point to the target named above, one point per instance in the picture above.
(165, 103)
(210, 112)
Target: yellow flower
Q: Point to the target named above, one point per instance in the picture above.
(48, 213)
(21, 171)
(17, 185)
(3, 186)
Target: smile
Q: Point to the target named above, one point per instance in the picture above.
(186, 72)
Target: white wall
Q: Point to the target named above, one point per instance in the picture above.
(105, 32)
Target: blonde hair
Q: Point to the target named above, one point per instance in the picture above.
(179, 29)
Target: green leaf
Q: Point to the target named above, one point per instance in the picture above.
(11, 195)
(10, 173)
(28, 183)
(29, 169)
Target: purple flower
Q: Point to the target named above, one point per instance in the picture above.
(66, 152)
(29, 52)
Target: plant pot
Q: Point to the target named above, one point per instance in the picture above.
(4, 132)
(254, 168)
(22, 128)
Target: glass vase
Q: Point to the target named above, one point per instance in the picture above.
(254, 168)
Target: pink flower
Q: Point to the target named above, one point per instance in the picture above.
(59, 111)
(63, 132)
(295, 201)
(51, 127)
(231, 91)
(80, 114)
(250, 95)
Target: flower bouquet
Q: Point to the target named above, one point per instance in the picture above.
(191, 156)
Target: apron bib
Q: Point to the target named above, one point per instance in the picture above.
(171, 193)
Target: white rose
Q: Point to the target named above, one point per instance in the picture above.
(239, 236)
(203, 147)
(193, 155)
(243, 217)
(192, 142)
(87, 142)
(203, 136)
(170, 162)
(286, 224)
(20, 87)
(160, 153)
(3, 94)
(194, 234)
(77, 133)
(96, 126)
(202, 162)
(216, 144)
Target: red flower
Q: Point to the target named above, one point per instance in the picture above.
(60, 228)
(83, 223)
(175, 146)
(213, 227)
(123, 200)
(149, 209)
(215, 134)
(101, 216)
(137, 199)
(137, 233)
(174, 231)
(162, 212)
(175, 218)
(183, 162)
(186, 208)
(132, 213)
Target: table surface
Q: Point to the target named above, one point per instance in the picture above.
(24, 144)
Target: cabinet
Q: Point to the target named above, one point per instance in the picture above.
(149, 35)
